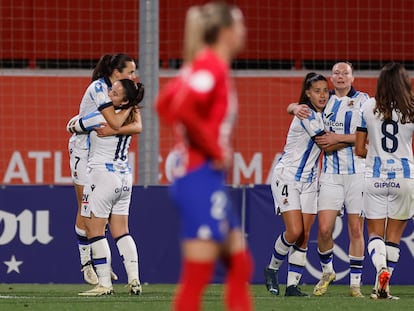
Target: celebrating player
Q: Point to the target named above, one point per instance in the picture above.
(294, 187)
(109, 69)
(341, 179)
(107, 195)
(387, 123)
(201, 106)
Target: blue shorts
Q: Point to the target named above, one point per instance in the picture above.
(203, 204)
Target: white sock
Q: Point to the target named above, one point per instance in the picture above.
(326, 260)
(83, 246)
(101, 255)
(377, 251)
(128, 251)
(297, 261)
(279, 252)
(393, 255)
(355, 264)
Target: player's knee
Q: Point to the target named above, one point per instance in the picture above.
(325, 233)
(355, 232)
(293, 234)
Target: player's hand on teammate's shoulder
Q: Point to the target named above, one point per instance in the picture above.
(300, 111)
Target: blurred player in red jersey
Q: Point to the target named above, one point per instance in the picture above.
(201, 106)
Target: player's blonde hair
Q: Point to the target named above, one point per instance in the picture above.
(394, 92)
(193, 33)
(203, 25)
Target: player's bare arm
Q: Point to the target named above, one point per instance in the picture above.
(336, 141)
(115, 120)
(129, 129)
(360, 144)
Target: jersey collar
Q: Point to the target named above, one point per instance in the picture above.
(350, 94)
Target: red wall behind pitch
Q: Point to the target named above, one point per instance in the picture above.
(282, 30)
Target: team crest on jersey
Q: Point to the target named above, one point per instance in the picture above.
(351, 103)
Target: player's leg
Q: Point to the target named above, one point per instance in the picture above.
(356, 252)
(287, 202)
(280, 251)
(198, 196)
(400, 208)
(118, 223)
(127, 250)
(199, 257)
(377, 251)
(84, 248)
(354, 185)
(297, 256)
(78, 162)
(101, 255)
(294, 231)
(376, 213)
(96, 208)
(240, 268)
(330, 203)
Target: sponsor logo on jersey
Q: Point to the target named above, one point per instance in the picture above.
(388, 184)
(334, 125)
(124, 188)
(327, 116)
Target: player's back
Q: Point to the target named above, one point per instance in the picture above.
(390, 153)
(109, 152)
(95, 95)
(204, 107)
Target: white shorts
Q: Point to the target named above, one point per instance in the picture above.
(106, 193)
(289, 195)
(78, 161)
(389, 198)
(341, 191)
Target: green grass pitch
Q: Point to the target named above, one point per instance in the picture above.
(157, 297)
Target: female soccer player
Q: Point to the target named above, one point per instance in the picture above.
(109, 69)
(341, 179)
(387, 126)
(201, 106)
(294, 187)
(107, 195)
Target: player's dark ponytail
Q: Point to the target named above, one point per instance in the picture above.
(134, 93)
(108, 63)
(307, 83)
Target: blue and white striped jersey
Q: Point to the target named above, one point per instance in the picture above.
(95, 96)
(341, 115)
(110, 152)
(300, 154)
(390, 153)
